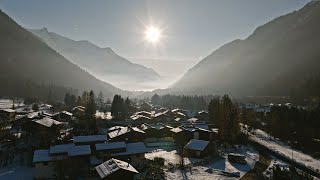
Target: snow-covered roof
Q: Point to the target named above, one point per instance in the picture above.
(178, 111)
(46, 121)
(41, 155)
(157, 126)
(192, 120)
(113, 165)
(176, 130)
(55, 114)
(137, 130)
(133, 148)
(190, 129)
(215, 130)
(143, 112)
(33, 115)
(198, 145)
(79, 108)
(181, 114)
(90, 138)
(80, 150)
(111, 145)
(161, 114)
(61, 148)
(67, 113)
(118, 132)
(115, 128)
(8, 110)
(145, 126)
(47, 114)
(137, 117)
(202, 112)
(123, 130)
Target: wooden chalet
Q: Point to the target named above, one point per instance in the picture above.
(116, 169)
(200, 148)
(127, 134)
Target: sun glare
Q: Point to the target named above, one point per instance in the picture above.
(152, 34)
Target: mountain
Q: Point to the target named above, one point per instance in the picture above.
(103, 63)
(27, 63)
(280, 58)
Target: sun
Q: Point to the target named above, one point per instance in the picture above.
(152, 34)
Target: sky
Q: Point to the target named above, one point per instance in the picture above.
(191, 29)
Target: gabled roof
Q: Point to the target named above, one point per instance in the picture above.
(45, 155)
(123, 130)
(115, 128)
(61, 148)
(181, 114)
(46, 121)
(143, 113)
(80, 150)
(46, 114)
(137, 130)
(157, 126)
(193, 120)
(215, 130)
(110, 145)
(113, 165)
(80, 108)
(41, 155)
(90, 138)
(133, 148)
(33, 115)
(197, 145)
(161, 114)
(137, 117)
(67, 113)
(176, 130)
(118, 132)
(145, 126)
(202, 126)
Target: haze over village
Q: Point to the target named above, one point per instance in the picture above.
(154, 90)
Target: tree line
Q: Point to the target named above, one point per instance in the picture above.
(121, 108)
(182, 102)
(225, 115)
(300, 127)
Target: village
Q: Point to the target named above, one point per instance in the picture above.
(152, 142)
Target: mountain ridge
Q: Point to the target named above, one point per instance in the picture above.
(23, 56)
(285, 45)
(104, 63)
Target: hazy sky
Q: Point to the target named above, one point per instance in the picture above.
(192, 28)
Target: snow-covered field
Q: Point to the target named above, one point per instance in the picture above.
(215, 167)
(280, 147)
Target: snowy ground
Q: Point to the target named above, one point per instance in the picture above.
(217, 166)
(280, 147)
(274, 162)
(6, 104)
(17, 173)
(170, 157)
